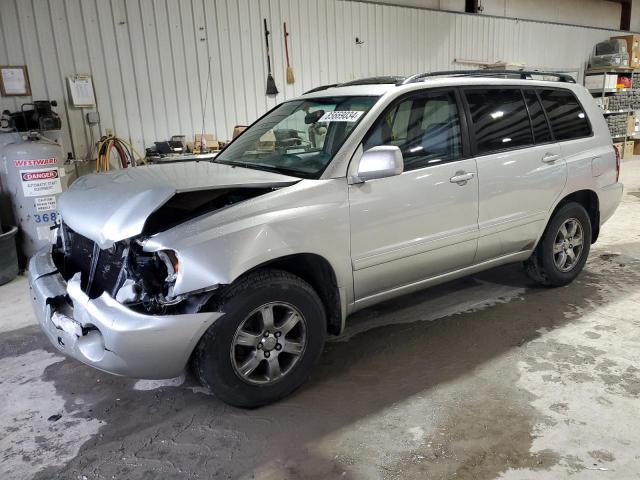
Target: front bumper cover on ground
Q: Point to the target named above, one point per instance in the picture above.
(106, 334)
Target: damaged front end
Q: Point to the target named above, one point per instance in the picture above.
(140, 280)
(144, 281)
(103, 297)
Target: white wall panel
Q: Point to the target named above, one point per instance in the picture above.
(149, 58)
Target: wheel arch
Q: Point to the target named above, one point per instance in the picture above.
(591, 203)
(318, 272)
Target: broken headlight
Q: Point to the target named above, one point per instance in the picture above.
(149, 280)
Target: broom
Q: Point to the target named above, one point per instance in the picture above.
(271, 83)
(290, 77)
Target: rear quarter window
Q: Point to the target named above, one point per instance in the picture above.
(566, 116)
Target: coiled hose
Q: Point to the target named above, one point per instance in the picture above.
(127, 154)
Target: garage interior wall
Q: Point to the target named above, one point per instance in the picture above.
(590, 13)
(149, 59)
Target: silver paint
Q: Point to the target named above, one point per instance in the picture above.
(125, 342)
(383, 237)
(109, 207)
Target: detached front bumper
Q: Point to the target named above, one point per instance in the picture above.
(106, 334)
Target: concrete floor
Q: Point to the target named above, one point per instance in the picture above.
(487, 377)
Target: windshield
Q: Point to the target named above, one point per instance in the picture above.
(298, 138)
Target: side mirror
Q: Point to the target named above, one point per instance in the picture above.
(380, 162)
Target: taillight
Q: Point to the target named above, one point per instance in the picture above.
(617, 162)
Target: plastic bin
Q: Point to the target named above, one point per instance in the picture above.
(8, 254)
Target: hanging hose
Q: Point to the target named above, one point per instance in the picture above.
(127, 154)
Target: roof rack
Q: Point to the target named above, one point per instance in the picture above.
(381, 80)
(519, 74)
(322, 87)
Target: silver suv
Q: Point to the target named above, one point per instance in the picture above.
(342, 198)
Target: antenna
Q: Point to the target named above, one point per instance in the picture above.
(204, 109)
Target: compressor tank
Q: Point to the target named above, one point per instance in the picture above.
(33, 177)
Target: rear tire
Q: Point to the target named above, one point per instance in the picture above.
(267, 342)
(563, 249)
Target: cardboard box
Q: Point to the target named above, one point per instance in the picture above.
(212, 143)
(267, 142)
(633, 48)
(602, 102)
(238, 129)
(628, 149)
(636, 147)
(595, 82)
(631, 124)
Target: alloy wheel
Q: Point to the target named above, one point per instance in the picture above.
(268, 343)
(568, 245)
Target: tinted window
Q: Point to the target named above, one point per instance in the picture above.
(565, 113)
(425, 127)
(539, 123)
(499, 118)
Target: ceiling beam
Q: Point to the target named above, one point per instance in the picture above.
(471, 6)
(625, 16)
(625, 13)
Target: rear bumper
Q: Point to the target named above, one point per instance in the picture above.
(106, 334)
(609, 198)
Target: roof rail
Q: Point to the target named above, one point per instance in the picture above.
(381, 80)
(520, 74)
(322, 87)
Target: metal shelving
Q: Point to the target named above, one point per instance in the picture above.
(609, 90)
(614, 122)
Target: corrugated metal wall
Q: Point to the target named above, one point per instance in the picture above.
(149, 58)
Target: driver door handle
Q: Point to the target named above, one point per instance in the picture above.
(550, 157)
(462, 177)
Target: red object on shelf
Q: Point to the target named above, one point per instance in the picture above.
(624, 82)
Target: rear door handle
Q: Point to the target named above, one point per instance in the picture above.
(461, 177)
(550, 157)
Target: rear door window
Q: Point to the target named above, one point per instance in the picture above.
(499, 118)
(566, 115)
(541, 132)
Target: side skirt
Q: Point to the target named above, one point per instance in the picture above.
(445, 277)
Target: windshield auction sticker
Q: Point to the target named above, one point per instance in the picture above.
(43, 181)
(338, 116)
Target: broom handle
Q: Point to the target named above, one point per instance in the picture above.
(266, 40)
(286, 43)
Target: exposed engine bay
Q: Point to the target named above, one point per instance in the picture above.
(143, 281)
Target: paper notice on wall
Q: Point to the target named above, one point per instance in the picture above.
(44, 204)
(14, 81)
(81, 89)
(42, 181)
(341, 116)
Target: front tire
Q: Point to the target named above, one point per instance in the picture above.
(266, 344)
(563, 249)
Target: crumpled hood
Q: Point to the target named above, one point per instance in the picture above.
(109, 207)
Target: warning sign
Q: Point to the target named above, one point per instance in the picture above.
(44, 204)
(43, 181)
